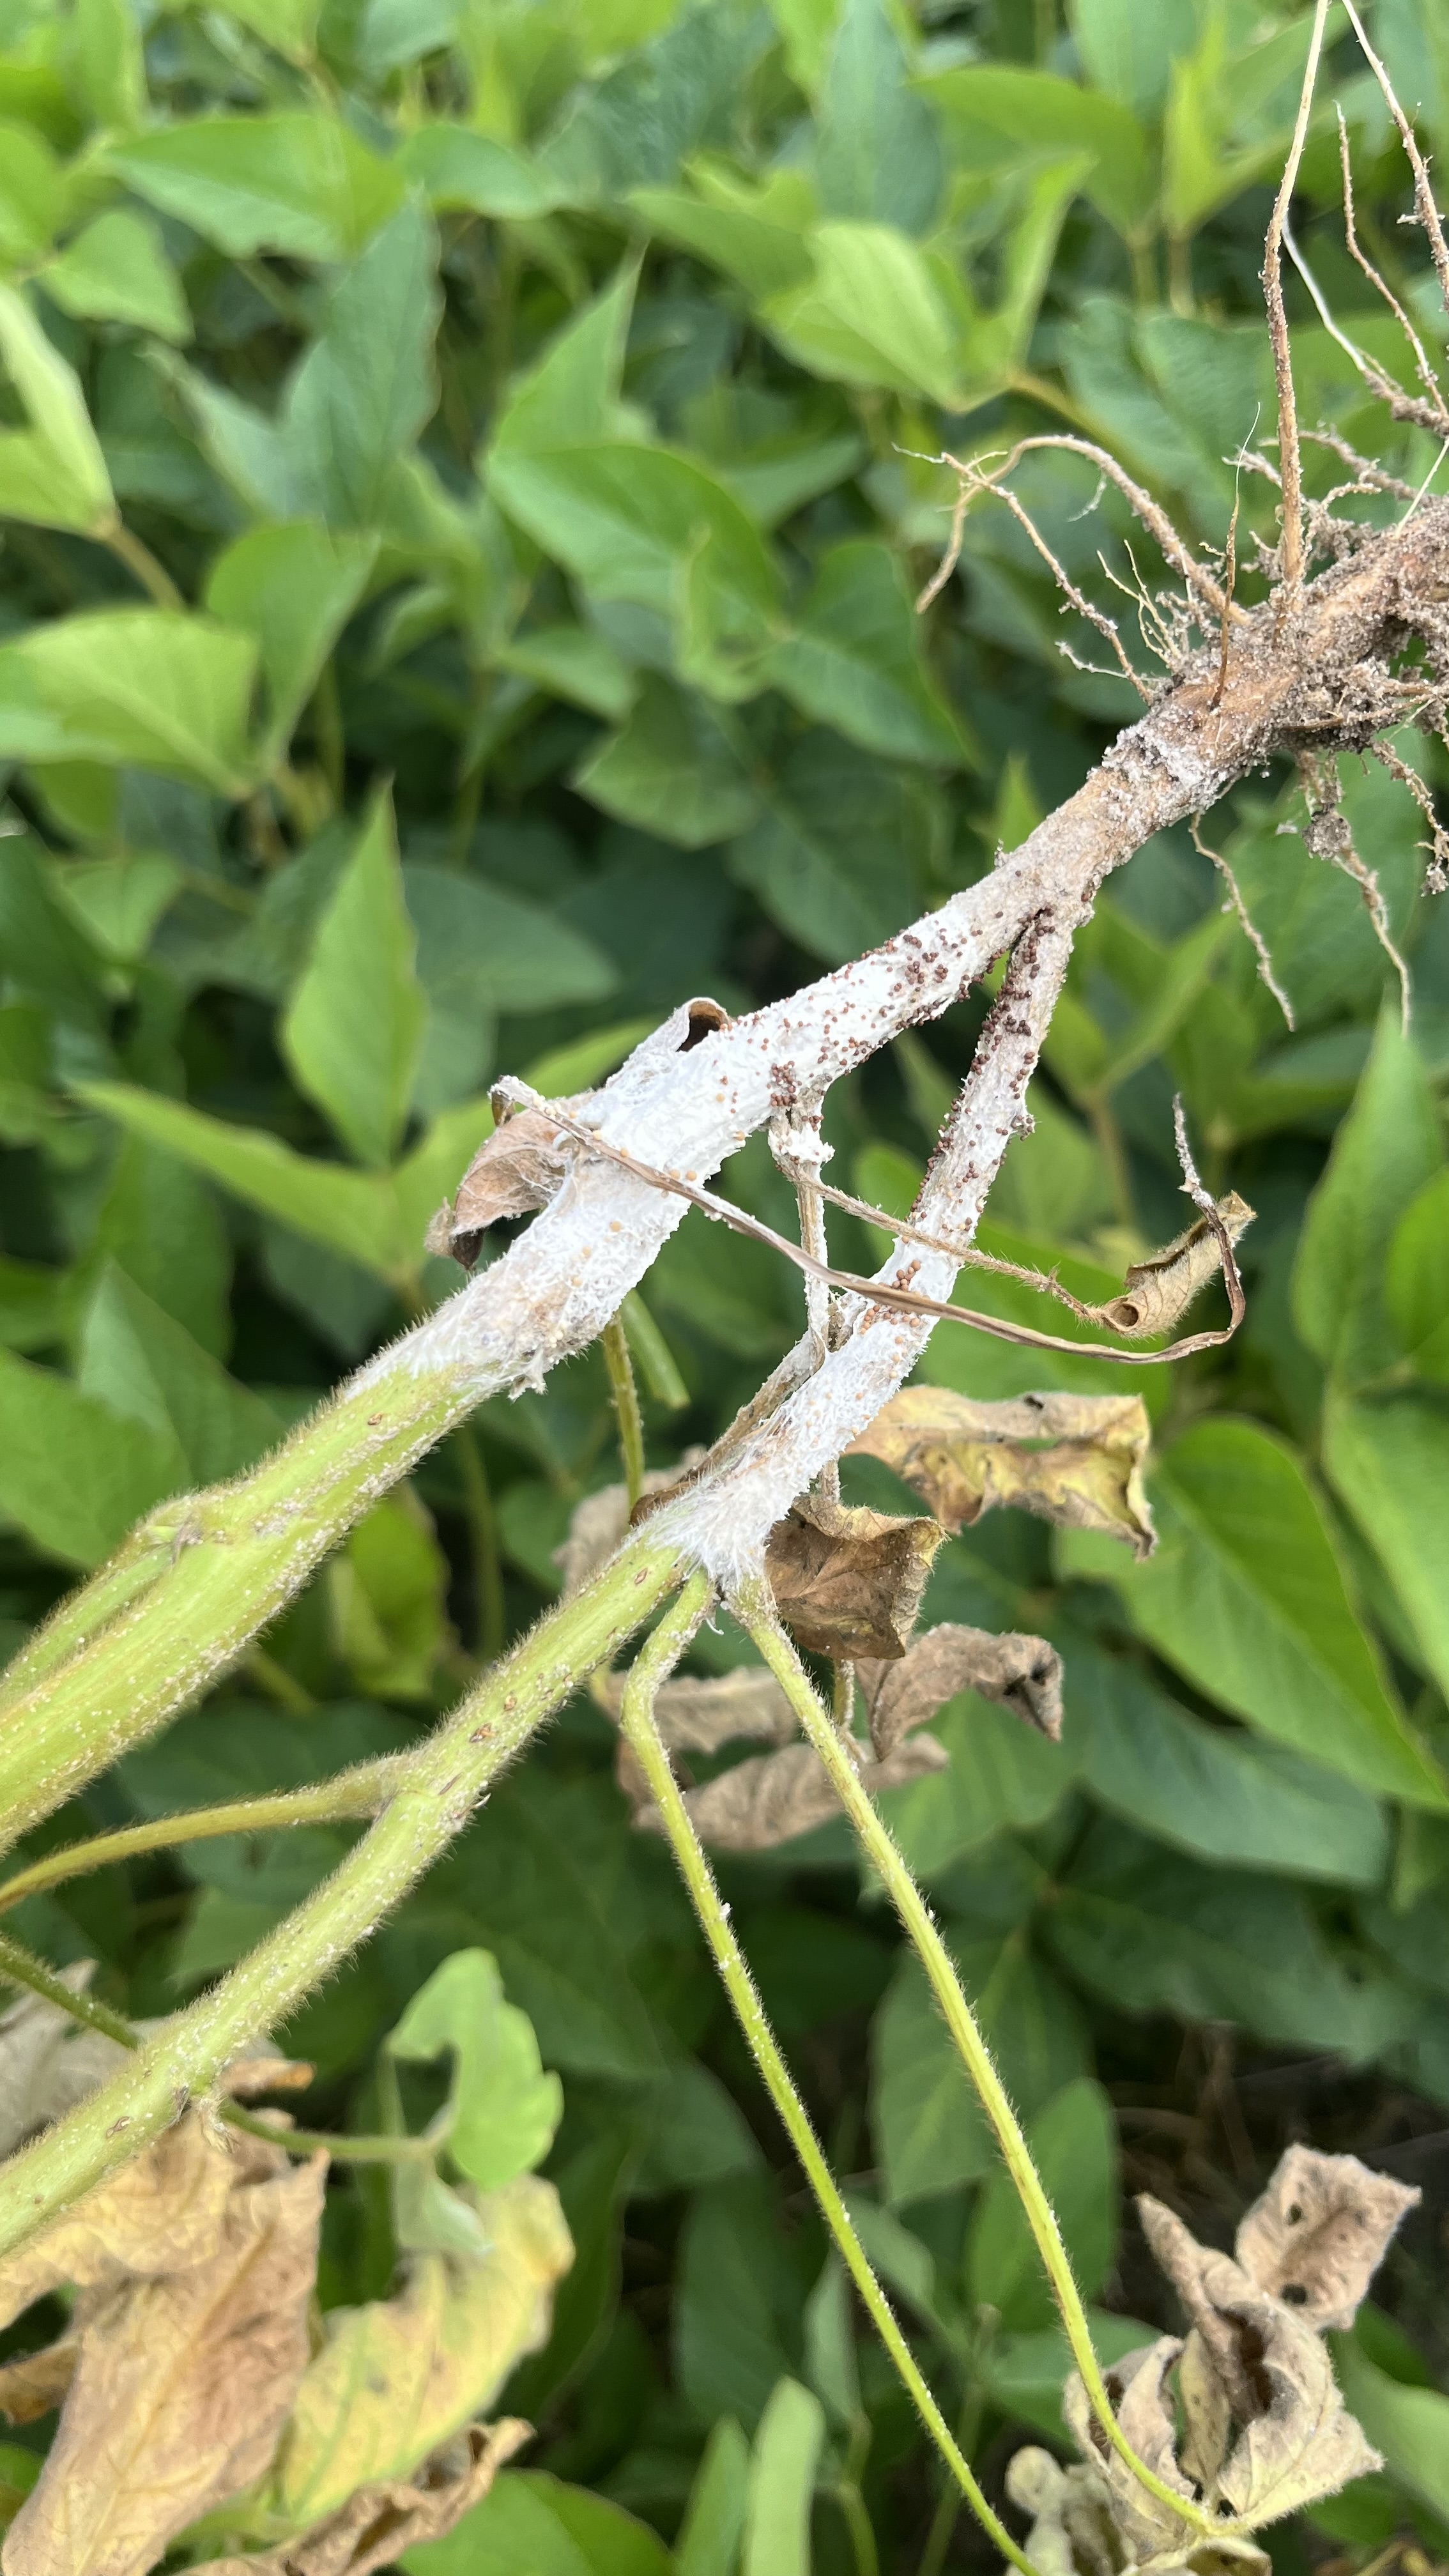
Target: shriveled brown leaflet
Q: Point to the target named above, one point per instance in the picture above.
(1157, 1292)
(698, 1716)
(1023, 1674)
(377, 2524)
(514, 1171)
(774, 1797)
(849, 1583)
(966, 1458)
(1319, 2232)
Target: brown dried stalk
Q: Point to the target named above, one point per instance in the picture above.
(1290, 463)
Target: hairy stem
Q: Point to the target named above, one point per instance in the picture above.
(636, 1719)
(352, 1794)
(442, 1784)
(624, 1396)
(754, 1609)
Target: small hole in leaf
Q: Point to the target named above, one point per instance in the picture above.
(1295, 2294)
(1224, 2508)
(1293, 2215)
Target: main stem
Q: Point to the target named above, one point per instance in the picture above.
(441, 1785)
(756, 1613)
(636, 1720)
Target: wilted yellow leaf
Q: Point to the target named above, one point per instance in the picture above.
(1073, 1459)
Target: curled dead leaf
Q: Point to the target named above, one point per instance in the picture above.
(775, 1797)
(1157, 1292)
(1021, 1673)
(1318, 2234)
(1073, 1459)
(380, 2521)
(191, 2336)
(1072, 2532)
(850, 1583)
(1142, 2404)
(515, 1170)
(35, 2382)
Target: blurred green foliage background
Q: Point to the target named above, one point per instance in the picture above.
(464, 478)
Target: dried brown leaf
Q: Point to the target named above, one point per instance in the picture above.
(693, 1716)
(1142, 2404)
(1319, 2232)
(184, 2377)
(1073, 1459)
(400, 2377)
(850, 1583)
(1158, 1291)
(36, 2382)
(377, 2524)
(1072, 2531)
(515, 1170)
(1304, 2444)
(158, 2215)
(775, 1797)
(1021, 1673)
(1204, 2281)
(1207, 2418)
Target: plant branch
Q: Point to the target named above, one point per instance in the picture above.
(755, 1610)
(138, 559)
(636, 1719)
(443, 1782)
(351, 1795)
(624, 1396)
(1290, 456)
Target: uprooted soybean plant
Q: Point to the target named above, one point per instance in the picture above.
(530, 531)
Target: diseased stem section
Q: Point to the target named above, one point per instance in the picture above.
(755, 1610)
(636, 1719)
(442, 1784)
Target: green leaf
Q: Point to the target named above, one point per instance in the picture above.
(1001, 1776)
(855, 659)
(74, 1475)
(293, 588)
(1388, 1147)
(295, 183)
(571, 394)
(1004, 105)
(877, 151)
(44, 948)
(1026, 2373)
(732, 2328)
(930, 2130)
(714, 2519)
(355, 1213)
(1128, 54)
(874, 313)
(672, 769)
(31, 194)
(368, 385)
(530, 2524)
(1225, 1795)
(387, 1592)
(110, 66)
(458, 168)
(574, 662)
(163, 1227)
(290, 26)
(1409, 2425)
(482, 951)
(143, 1364)
(782, 2483)
(116, 271)
(354, 1026)
(1246, 1596)
(1149, 1931)
(502, 2110)
(1417, 1281)
(1388, 1462)
(813, 860)
(53, 473)
(753, 233)
(1073, 2144)
(585, 1061)
(118, 902)
(151, 686)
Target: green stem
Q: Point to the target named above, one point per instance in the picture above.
(138, 559)
(21, 1969)
(857, 2522)
(625, 1396)
(353, 1794)
(483, 1531)
(636, 1720)
(443, 1782)
(278, 1683)
(756, 1613)
(194, 1584)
